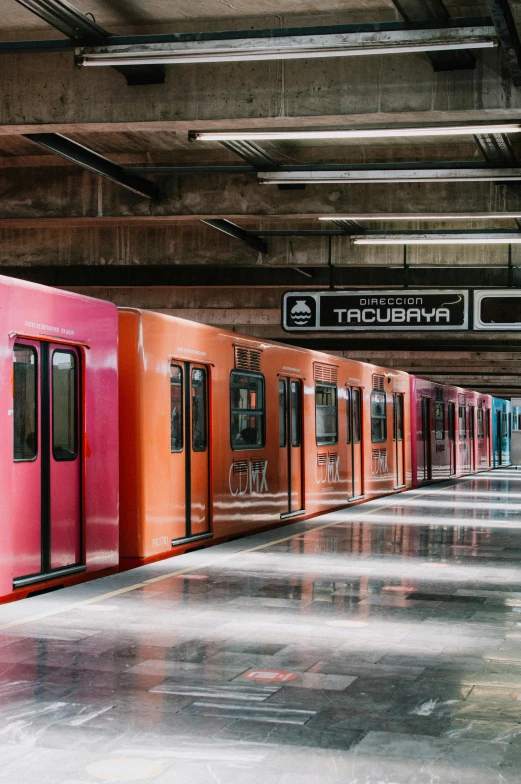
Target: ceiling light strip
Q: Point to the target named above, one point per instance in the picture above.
(357, 176)
(292, 47)
(354, 133)
(422, 216)
(445, 239)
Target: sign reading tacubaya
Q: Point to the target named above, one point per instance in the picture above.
(402, 309)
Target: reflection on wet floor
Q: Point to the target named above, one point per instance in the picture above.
(381, 644)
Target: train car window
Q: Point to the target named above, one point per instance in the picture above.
(282, 413)
(199, 408)
(25, 407)
(296, 413)
(64, 407)
(439, 420)
(398, 417)
(348, 416)
(176, 408)
(326, 414)
(462, 422)
(247, 413)
(356, 402)
(471, 422)
(481, 429)
(378, 417)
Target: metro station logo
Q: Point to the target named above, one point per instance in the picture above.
(301, 311)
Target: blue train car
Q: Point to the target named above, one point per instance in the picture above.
(501, 431)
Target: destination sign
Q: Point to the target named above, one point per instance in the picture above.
(398, 310)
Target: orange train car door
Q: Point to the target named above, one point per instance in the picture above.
(290, 440)
(426, 438)
(452, 438)
(398, 439)
(354, 442)
(189, 448)
(47, 460)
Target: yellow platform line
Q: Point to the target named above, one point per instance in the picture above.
(153, 580)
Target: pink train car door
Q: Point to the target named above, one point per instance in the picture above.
(47, 461)
(354, 442)
(398, 440)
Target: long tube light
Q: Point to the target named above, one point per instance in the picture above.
(291, 47)
(347, 176)
(424, 216)
(353, 133)
(490, 239)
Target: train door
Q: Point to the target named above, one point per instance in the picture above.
(472, 439)
(426, 438)
(47, 413)
(189, 447)
(398, 439)
(498, 446)
(452, 439)
(488, 431)
(290, 435)
(354, 443)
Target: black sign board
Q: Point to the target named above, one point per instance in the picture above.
(497, 309)
(375, 311)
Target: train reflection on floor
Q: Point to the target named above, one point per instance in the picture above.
(377, 644)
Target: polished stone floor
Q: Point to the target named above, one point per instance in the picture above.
(378, 645)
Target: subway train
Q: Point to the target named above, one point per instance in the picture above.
(131, 436)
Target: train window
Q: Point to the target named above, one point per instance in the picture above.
(471, 422)
(378, 417)
(64, 413)
(296, 413)
(439, 420)
(282, 413)
(356, 402)
(481, 429)
(247, 410)
(176, 408)
(462, 422)
(398, 417)
(326, 414)
(199, 428)
(25, 408)
(348, 415)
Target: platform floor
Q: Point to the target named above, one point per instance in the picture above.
(378, 645)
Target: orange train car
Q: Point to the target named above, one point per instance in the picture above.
(222, 435)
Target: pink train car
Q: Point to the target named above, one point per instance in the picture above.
(450, 431)
(58, 437)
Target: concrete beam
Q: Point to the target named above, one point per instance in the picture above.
(45, 93)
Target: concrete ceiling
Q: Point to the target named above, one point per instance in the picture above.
(62, 224)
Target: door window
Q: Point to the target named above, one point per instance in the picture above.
(199, 428)
(356, 402)
(439, 420)
(481, 429)
(296, 413)
(64, 413)
(176, 408)
(398, 417)
(378, 417)
(25, 408)
(462, 422)
(282, 413)
(471, 422)
(452, 421)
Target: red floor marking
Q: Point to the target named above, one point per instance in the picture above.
(399, 588)
(193, 577)
(270, 675)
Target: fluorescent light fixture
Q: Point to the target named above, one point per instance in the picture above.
(339, 176)
(431, 216)
(353, 133)
(290, 47)
(441, 239)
